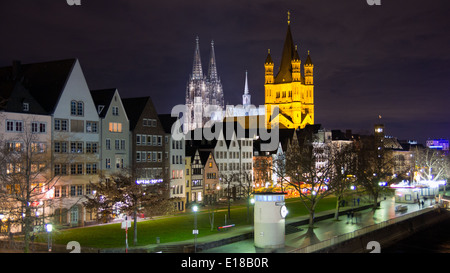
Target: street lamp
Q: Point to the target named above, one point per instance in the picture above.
(252, 202)
(218, 193)
(49, 229)
(353, 188)
(195, 231)
(1, 220)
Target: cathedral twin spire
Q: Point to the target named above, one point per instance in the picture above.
(203, 91)
(197, 71)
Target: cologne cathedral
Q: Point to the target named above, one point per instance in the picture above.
(204, 93)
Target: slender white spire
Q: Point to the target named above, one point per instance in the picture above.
(246, 97)
(246, 83)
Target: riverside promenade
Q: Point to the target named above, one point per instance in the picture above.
(298, 236)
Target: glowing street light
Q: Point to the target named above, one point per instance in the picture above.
(49, 228)
(195, 231)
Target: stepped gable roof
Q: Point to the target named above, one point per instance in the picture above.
(303, 135)
(103, 97)
(230, 127)
(134, 108)
(257, 146)
(227, 129)
(204, 155)
(45, 81)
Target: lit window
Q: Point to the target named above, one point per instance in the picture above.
(115, 127)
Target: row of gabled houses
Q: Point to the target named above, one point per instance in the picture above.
(84, 135)
(88, 135)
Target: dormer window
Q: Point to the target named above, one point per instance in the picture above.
(25, 106)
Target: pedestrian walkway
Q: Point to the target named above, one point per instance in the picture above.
(323, 230)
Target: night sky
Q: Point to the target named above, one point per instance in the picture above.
(391, 60)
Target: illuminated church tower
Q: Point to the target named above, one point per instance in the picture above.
(289, 90)
(204, 94)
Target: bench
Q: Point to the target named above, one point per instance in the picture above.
(226, 227)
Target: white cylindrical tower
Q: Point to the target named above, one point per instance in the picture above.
(269, 215)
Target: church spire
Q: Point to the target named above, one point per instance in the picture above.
(197, 72)
(246, 98)
(212, 71)
(246, 83)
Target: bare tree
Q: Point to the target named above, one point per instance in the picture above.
(343, 161)
(308, 172)
(279, 168)
(374, 167)
(228, 179)
(122, 191)
(26, 178)
(246, 185)
(431, 164)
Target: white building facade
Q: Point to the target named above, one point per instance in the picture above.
(114, 127)
(76, 148)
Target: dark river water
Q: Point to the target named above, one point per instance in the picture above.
(435, 239)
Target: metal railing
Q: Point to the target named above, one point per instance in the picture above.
(350, 235)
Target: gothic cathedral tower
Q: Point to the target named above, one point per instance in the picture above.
(289, 90)
(204, 94)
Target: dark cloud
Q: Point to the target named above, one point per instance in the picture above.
(391, 59)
